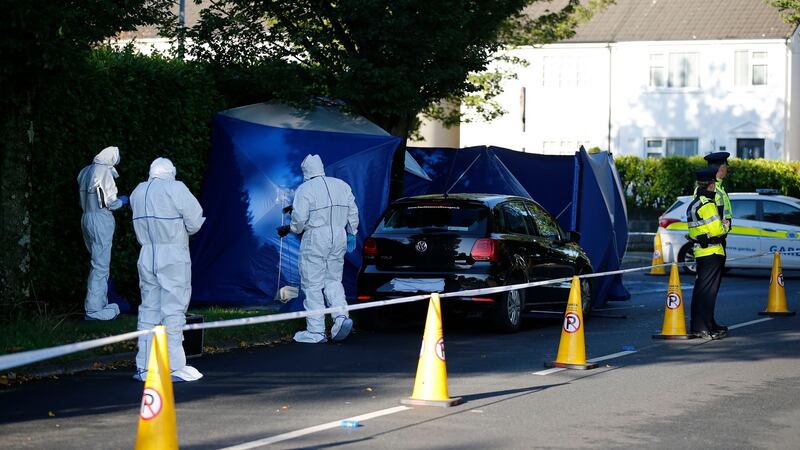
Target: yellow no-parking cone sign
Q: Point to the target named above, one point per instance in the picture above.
(776, 300)
(572, 348)
(430, 385)
(674, 326)
(157, 423)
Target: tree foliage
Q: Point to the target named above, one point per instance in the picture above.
(387, 59)
(790, 10)
(41, 38)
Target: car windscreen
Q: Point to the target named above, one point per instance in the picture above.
(435, 217)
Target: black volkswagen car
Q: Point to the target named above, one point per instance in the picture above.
(458, 242)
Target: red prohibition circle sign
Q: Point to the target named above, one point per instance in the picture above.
(673, 300)
(572, 323)
(151, 404)
(440, 348)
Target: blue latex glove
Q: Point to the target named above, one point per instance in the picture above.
(123, 199)
(351, 243)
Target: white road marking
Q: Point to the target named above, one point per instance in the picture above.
(752, 322)
(653, 291)
(612, 356)
(618, 354)
(314, 429)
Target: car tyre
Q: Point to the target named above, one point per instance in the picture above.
(686, 255)
(586, 296)
(507, 312)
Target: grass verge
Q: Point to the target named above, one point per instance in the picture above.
(53, 330)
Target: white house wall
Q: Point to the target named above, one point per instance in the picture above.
(559, 116)
(565, 106)
(716, 113)
(793, 96)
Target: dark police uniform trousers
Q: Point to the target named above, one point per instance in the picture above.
(704, 295)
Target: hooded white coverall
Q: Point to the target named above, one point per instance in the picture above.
(98, 195)
(165, 213)
(324, 209)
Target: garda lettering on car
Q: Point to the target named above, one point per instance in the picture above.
(792, 251)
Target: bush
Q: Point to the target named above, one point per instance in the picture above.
(146, 106)
(654, 183)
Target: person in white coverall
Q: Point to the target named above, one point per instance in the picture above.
(165, 213)
(98, 195)
(324, 211)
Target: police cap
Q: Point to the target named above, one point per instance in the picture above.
(706, 174)
(717, 158)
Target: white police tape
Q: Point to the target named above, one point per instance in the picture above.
(32, 356)
(22, 358)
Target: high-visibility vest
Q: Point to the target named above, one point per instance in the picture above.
(704, 220)
(722, 200)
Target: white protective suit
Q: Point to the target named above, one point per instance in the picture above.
(324, 210)
(165, 213)
(98, 195)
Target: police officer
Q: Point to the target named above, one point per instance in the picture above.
(719, 161)
(707, 231)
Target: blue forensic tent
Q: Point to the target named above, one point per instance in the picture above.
(253, 170)
(582, 191)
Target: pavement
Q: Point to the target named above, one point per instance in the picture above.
(739, 392)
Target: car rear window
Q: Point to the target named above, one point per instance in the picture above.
(434, 217)
(674, 206)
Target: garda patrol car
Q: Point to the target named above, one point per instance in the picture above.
(762, 222)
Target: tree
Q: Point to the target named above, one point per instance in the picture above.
(790, 10)
(42, 39)
(387, 59)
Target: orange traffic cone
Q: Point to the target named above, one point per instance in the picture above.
(658, 257)
(776, 301)
(571, 349)
(674, 319)
(157, 423)
(430, 386)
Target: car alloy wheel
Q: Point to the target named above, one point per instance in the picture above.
(514, 307)
(506, 315)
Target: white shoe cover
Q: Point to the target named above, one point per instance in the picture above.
(187, 373)
(110, 312)
(307, 337)
(140, 375)
(341, 328)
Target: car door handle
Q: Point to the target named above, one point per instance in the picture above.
(770, 230)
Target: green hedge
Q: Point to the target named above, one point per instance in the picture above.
(146, 106)
(654, 183)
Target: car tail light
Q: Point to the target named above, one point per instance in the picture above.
(484, 250)
(364, 298)
(370, 248)
(664, 222)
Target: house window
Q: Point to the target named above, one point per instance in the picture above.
(658, 70)
(654, 148)
(750, 68)
(563, 72)
(677, 70)
(681, 147)
(683, 70)
(659, 147)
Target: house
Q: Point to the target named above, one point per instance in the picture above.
(655, 78)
